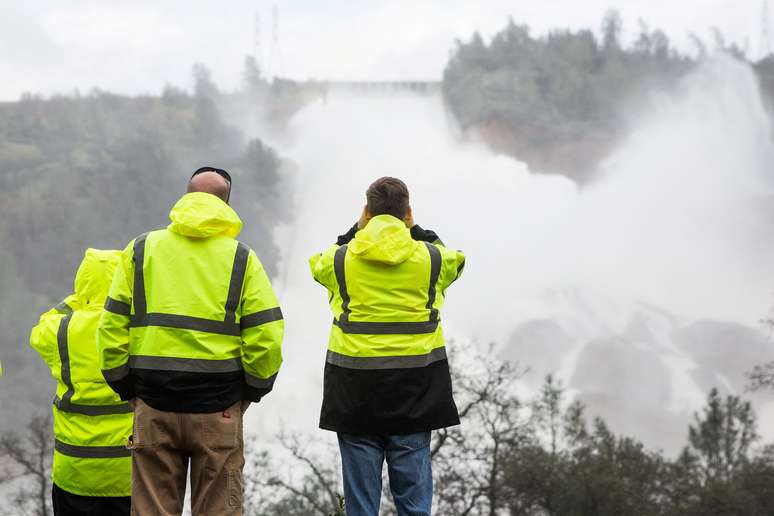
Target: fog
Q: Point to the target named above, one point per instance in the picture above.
(671, 233)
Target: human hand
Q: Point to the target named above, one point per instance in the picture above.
(245, 405)
(364, 218)
(409, 219)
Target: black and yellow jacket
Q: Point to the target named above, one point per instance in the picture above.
(191, 323)
(386, 371)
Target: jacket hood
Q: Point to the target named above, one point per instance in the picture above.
(94, 276)
(385, 239)
(203, 215)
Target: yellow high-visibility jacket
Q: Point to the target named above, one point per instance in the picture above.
(386, 370)
(191, 323)
(91, 423)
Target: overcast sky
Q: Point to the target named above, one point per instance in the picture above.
(139, 46)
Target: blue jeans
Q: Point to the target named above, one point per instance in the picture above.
(408, 467)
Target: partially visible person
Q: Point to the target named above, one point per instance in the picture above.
(191, 334)
(92, 466)
(387, 381)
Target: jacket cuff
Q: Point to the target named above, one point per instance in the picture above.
(123, 387)
(252, 394)
(348, 236)
(254, 388)
(425, 235)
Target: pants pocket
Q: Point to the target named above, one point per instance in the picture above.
(412, 441)
(223, 430)
(148, 428)
(234, 488)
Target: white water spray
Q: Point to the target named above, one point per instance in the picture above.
(677, 219)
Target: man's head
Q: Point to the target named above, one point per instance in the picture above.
(211, 180)
(388, 196)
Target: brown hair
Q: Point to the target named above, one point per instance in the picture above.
(388, 195)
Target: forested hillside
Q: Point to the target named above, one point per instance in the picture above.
(97, 170)
(562, 101)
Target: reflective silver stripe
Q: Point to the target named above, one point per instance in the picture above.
(91, 410)
(401, 362)
(262, 317)
(91, 452)
(64, 357)
(138, 295)
(63, 308)
(186, 322)
(260, 383)
(227, 326)
(117, 307)
(338, 267)
(237, 279)
(117, 373)
(435, 271)
(387, 328)
(189, 365)
(65, 403)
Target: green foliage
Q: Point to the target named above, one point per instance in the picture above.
(544, 459)
(559, 102)
(595, 473)
(96, 171)
(721, 439)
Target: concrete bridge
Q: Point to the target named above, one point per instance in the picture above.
(421, 87)
(369, 87)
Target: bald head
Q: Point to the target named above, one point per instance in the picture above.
(211, 183)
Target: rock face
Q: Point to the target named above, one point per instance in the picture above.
(539, 344)
(647, 377)
(724, 352)
(577, 158)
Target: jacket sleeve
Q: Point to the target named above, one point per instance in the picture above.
(321, 266)
(43, 338)
(348, 236)
(424, 235)
(113, 329)
(452, 265)
(262, 332)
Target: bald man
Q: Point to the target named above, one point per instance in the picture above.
(211, 182)
(190, 336)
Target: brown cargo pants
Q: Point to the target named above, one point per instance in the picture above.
(162, 445)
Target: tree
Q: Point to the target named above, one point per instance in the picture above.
(467, 459)
(269, 492)
(29, 459)
(541, 459)
(252, 78)
(721, 438)
(761, 377)
(612, 26)
(569, 470)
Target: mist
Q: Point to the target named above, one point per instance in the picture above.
(670, 233)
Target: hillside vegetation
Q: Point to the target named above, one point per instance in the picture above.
(560, 102)
(95, 171)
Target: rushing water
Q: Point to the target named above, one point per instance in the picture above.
(675, 229)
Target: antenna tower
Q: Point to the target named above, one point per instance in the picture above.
(765, 42)
(276, 51)
(257, 50)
